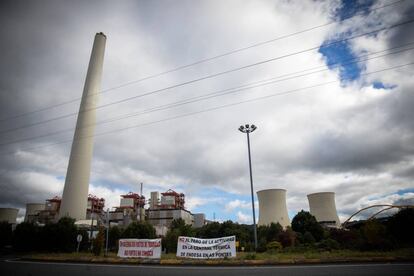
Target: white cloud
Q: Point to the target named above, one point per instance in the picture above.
(243, 218)
(353, 140)
(237, 204)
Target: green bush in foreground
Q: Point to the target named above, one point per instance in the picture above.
(273, 247)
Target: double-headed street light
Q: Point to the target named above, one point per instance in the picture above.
(248, 129)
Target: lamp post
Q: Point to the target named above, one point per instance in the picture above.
(248, 129)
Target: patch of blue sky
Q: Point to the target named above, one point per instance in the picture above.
(380, 85)
(339, 55)
(405, 191)
(216, 200)
(349, 8)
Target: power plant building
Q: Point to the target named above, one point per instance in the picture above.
(171, 207)
(8, 215)
(33, 210)
(75, 192)
(272, 207)
(131, 208)
(49, 211)
(322, 206)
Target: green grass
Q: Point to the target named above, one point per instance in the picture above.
(306, 256)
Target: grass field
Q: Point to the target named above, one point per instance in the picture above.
(308, 256)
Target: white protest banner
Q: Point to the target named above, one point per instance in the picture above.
(188, 247)
(140, 248)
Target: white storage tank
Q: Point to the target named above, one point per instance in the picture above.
(272, 207)
(9, 215)
(33, 209)
(322, 206)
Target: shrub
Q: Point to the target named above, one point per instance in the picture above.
(250, 256)
(26, 237)
(374, 234)
(308, 238)
(98, 242)
(401, 227)
(328, 244)
(178, 228)
(114, 236)
(287, 237)
(5, 233)
(274, 246)
(139, 230)
(349, 239)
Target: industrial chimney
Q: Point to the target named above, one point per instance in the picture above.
(272, 207)
(75, 192)
(322, 207)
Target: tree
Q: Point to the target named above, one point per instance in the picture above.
(287, 237)
(374, 234)
(274, 230)
(139, 230)
(114, 235)
(60, 236)
(178, 228)
(401, 227)
(5, 233)
(304, 222)
(210, 230)
(308, 238)
(350, 239)
(26, 237)
(98, 242)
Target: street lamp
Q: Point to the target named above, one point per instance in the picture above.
(248, 129)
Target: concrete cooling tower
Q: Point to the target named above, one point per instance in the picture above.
(8, 215)
(322, 206)
(272, 207)
(75, 191)
(33, 209)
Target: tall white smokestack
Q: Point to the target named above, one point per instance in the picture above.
(322, 206)
(75, 192)
(272, 207)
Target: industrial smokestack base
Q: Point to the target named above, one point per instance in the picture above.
(322, 207)
(272, 207)
(75, 192)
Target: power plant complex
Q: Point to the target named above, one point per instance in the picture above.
(78, 204)
(272, 208)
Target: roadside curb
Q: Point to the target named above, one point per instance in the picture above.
(167, 262)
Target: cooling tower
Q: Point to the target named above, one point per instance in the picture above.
(272, 207)
(9, 215)
(33, 209)
(75, 192)
(322, 206)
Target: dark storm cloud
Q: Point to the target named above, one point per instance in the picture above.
(390, 143)
(45, 50)
(405, 33)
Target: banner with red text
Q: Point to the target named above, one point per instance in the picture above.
(140, 248)
(188, 247)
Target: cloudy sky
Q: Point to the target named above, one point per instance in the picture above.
(329, 85)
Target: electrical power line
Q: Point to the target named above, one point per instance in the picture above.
(210, 76)
(205, 110)
(206, 60)
(227, 91)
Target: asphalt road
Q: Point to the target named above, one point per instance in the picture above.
(11, 268)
